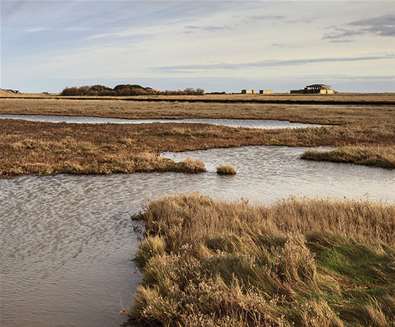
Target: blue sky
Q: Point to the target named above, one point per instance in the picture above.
(215, 45)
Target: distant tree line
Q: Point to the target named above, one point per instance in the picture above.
(124, 90)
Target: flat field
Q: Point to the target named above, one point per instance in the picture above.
(363, 98)
(321, 114)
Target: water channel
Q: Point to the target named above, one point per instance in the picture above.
(67, 241)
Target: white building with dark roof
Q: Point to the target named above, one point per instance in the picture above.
(316, 89)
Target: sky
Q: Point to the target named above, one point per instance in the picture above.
(214, 45)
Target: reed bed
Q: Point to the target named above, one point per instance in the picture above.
(298, 262)
(43, 148)
(376, 156)
(48, 148)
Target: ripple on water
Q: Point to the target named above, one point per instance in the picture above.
(67, 241)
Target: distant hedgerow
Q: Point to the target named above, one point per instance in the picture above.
(124, 90)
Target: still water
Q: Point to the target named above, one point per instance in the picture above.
(67, 241)
(266, 124)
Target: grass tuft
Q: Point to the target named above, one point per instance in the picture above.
(191, 166)
(149, 248)
(226, 170)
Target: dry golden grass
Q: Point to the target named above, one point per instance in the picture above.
(320, 114)
(336, 98)
(4, 93)
(295, 263)
(377, 156)
(192, 166)
(371, 126)
(226, 170)
(45, 148)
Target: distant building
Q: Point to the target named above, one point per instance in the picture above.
(315, 89)
(247, 91)
(265, 91)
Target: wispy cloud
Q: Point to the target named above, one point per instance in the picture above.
(205, 28)
(36, 29)
(272, 63)
(286, 45)
(381, 26)
(266, 17)
(39, 29)
(183, 39)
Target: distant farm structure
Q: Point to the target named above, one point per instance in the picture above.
(252, 91)
(315, 89)
(248, 91)
(265, 91)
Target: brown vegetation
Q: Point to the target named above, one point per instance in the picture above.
(8, 93)
(377, 156)
(332, 115)
(295, 263)
(47, 148)
(194, 166)
(356, 126)
(123, 90)
(218, 97)
(226, 170)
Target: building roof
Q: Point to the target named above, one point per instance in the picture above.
(323, 86)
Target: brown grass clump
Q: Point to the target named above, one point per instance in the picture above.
(226, 170)
(192, 166)
(377, 156)
(295, 263)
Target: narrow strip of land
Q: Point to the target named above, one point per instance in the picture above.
(338, 99)
(164, 110)
(375, 156)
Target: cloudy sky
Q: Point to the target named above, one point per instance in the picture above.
(215, 45)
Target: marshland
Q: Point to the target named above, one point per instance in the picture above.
(367, 131)
(283, 260)
(197, 163)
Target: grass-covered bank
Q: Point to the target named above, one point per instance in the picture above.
(295, 263)
(375, 156)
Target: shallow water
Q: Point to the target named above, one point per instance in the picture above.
(262, 124)
(67, 241)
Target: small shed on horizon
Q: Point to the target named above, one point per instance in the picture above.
(268, 91)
